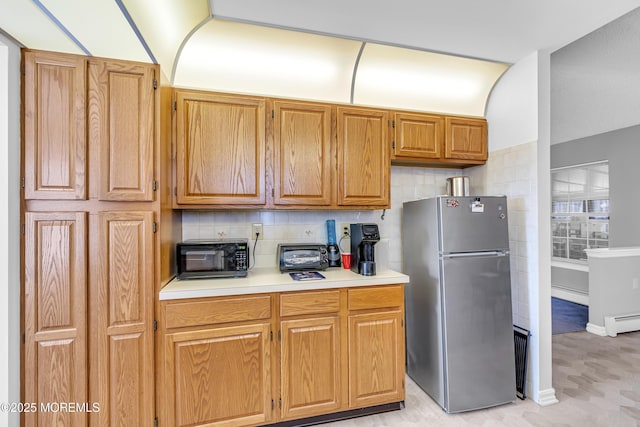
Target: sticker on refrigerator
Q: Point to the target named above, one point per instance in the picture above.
(477, 207)
(453, 203)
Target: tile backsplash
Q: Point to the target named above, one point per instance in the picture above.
(512, 171)
(407, 183)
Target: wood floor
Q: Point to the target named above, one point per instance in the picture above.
(597, 380)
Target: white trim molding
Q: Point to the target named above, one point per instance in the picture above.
(612, 252)
(5, 324)
(547, 397)
(578, 266)
(570, 295)
(596, 329)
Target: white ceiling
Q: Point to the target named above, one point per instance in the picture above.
(165, 31)
(498, 30)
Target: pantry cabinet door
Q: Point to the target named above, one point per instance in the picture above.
(54, 126)
(121, 120)
(121, 318)
(55, 312)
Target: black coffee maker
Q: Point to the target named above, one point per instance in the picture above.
(363, 238)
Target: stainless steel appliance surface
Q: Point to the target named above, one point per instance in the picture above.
(206, 259)
(302, 256)
(459, 323)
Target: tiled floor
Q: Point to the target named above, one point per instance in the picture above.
(597, 380)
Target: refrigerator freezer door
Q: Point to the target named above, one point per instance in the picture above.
(479, 352)
(473, 224)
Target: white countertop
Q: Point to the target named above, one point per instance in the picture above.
(265, 280)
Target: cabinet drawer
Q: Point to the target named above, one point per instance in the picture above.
(209, 312)
(376, 297)
(309, 303)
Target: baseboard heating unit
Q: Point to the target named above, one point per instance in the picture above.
(615, 325)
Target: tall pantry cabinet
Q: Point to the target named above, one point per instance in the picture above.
(96, 222)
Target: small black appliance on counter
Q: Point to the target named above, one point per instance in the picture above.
(302, 257)
(208, 259)
(363, 238)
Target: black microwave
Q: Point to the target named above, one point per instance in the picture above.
(206, 259)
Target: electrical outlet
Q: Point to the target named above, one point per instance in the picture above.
(345, 228)
(257, 229)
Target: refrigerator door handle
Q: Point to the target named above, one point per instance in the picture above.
(476, 254)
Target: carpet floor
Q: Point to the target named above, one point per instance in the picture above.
(568, 316)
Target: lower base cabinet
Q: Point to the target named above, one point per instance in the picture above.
(376, 359)
(310, 367)
(263, 359)
(218, 375)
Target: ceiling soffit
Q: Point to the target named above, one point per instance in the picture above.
(196, 50)
(239, 57)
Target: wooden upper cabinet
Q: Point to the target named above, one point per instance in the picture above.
(417, 136)
(121, 120)
(220, 149)
(363, 157)
(55, 312)
(303, 156)
(465, 138)
(122, 290)
(54, 126)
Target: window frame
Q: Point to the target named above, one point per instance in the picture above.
(580, 210)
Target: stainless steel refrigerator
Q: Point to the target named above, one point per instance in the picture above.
(460, 347)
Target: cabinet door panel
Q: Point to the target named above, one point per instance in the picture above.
(122, 318)
(54, 126)
(121, 123)
(418, 136)
(465, 138)
(302, 154)
(310, 367)
(55, 353)
(376, 359)
(363, 157)
(219, 377)
(220, 156)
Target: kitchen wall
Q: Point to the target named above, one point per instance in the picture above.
(595, 101)
(9, 221)
(621, 148)
(512, 171)
(613, 286)
(595, 81)
(407, 183)
(518, 166)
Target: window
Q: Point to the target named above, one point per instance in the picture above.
(579, 210)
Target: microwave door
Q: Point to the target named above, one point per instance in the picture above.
(204, 260)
